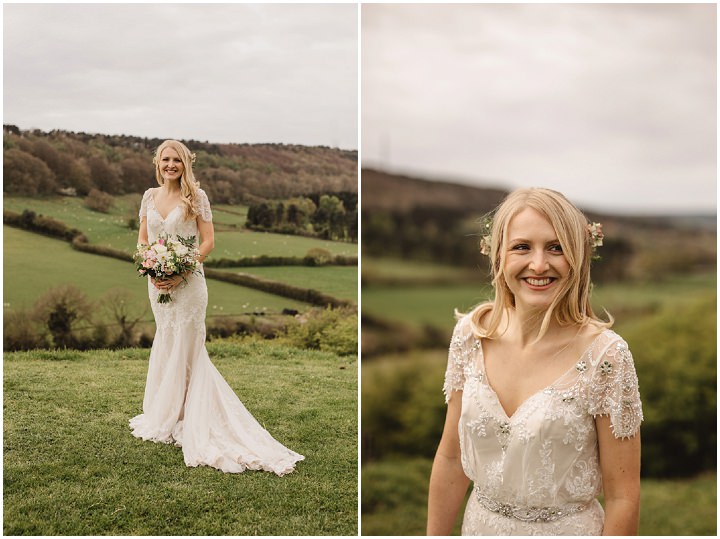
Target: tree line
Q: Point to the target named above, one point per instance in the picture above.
(328, 216)
(38, 163)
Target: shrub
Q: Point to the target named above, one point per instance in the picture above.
(99, 201)
(22, 332)
(676, 358)
(331, 330)
(320, 256)
(67, 312)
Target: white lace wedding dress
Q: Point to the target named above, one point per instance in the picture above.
(538, 472)
(187, 401)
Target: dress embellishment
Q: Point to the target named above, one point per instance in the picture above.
(537, 472)
(528, 514)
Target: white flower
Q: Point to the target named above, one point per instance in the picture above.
(159, 248)
(181, 250)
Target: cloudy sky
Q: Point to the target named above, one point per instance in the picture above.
(223, 72)
(612, 104)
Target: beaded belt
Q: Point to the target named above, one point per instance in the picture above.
(528, 514)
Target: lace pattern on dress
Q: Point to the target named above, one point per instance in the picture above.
(203, 206)
(201, 203)
(463, 346)
(613, 390)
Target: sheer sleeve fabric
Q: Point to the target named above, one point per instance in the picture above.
(203, 206)
(459, 357)
(146, 200)
(614, 389)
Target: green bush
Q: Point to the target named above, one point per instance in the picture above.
(403, 408)
(676, 358)
(330, 330)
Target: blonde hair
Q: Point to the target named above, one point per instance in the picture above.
(571, 304)
(188, 184)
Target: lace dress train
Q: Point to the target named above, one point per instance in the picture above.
(187, 401)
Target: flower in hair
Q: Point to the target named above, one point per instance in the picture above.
(486, 234)
(596, 234)
(192, 157)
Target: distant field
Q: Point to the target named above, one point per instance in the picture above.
(34, 263)
(418, 305)
(393, 268)
(337, 281)
(244, 242)
(105, 229)
(111, 229)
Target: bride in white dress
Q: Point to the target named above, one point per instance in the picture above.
(543, 403)
(187, 402)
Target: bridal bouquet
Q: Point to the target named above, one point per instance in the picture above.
(166, 258)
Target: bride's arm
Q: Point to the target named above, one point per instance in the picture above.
(207, 238)
(143, 233)
(448, 482)
(620, 466)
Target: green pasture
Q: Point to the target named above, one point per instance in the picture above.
(423, 305)
(411, 270)
(72, 467)
(33, 264)
(229, 215)
(243, 242)
(337, 281)
(394, 501)
(111, 229)
(434, 304)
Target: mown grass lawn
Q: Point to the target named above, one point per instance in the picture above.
(71, 466)
(394, 501)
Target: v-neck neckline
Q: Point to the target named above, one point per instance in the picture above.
(152, 196)
(479, 366)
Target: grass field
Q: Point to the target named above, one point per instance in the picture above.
(434, 304)
(34, 263)
(394, 268)
(111, 229)
(338, 281)
(394, 501)
(71, 466)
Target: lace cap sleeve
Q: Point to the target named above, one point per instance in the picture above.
(459, 357)
(146, 199)
(203, 206)
(614, 388)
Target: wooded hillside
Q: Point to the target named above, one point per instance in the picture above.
(43, 163)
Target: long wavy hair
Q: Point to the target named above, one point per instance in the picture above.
(571, 304)
(188, 184)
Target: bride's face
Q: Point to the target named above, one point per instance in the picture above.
(171, 166)
(535, 265)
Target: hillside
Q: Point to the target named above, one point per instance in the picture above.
(41, 163)
(383, 191)
(437, 221)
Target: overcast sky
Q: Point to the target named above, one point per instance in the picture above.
(224, 72)
(612, 104)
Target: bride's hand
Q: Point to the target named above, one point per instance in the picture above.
(165, 285)
(172, 282)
